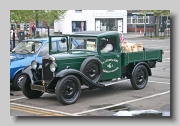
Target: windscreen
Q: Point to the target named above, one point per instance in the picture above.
(83, 43)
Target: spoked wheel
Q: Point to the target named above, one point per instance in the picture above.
(139, 77)
(68, 89)
(92, 68)
(26, 89)
(18, 81)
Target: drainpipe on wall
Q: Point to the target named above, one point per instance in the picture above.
(145, 24)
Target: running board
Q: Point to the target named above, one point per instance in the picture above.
(116, 81)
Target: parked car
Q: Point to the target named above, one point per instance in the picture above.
(32, 49)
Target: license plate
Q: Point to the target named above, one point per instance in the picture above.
(38, 88)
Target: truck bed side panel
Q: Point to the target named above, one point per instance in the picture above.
(147, 55)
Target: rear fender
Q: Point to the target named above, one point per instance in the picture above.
(146, 65)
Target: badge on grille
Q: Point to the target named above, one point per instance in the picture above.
(46, 64)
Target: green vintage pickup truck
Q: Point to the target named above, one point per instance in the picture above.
(64, 72)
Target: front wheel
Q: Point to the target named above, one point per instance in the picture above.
(139, 77)
(17, 81)
(26, 89)
(68, 89)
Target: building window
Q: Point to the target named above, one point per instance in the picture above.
(78, 10)
(138, 20)
(107, 24)
(129, 20)
(78, 26)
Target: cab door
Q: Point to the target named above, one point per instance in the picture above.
(111, 60)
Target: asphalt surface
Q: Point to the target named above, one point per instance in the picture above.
(109, 100)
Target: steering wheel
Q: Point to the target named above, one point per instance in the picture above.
(26, 50)
(80, 47)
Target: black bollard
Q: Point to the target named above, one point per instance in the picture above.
(48, 30)
(13, 39)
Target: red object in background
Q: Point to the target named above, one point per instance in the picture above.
(121, 38)
(94, 45)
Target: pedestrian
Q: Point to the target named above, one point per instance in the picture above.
(33, 30)
(10, 40)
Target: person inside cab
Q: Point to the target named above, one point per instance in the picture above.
(106, 46)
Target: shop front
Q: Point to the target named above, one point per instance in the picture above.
(114, 20)
(92, 20)
(109, 24)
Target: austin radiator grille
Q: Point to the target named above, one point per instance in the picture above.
(47, 74)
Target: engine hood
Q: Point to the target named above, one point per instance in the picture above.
(72, 55)
(72, 59)
(16, 57)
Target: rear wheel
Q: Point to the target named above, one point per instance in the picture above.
(139, 77)
(26, 89)
(68, 89)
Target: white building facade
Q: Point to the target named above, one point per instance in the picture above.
(92, 20)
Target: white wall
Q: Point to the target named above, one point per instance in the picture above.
(65, 25)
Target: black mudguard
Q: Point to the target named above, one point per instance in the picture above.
(146, 65)
(73, 71)
(30, 72)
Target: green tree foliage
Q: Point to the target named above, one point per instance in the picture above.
(157, 13)
(24, 16)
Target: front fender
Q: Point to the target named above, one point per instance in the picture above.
(31, 73)
(73, 71)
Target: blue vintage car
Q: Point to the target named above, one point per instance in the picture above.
(33, 49)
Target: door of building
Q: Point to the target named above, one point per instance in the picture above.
(120, 26)
(98, 25)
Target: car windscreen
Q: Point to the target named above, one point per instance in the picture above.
(83, 43)
(26, 47)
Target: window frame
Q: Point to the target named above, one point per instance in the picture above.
(136, 21)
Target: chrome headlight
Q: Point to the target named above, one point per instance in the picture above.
(34, 64)
(53, 67)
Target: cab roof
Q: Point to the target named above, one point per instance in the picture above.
(95, 33)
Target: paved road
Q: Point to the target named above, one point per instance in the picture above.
(109, 100)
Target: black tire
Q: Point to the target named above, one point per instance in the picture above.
(92, 68)
(139, 77)
(26, 89)
(17, 81)
(68, 89)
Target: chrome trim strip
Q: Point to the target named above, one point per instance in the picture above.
(49, 57)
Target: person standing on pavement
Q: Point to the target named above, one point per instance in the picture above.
(33, 30)
(10, 39)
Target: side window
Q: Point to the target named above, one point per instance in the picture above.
(108, 44)
(91, 44)
(54, 47)
(45, 50)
